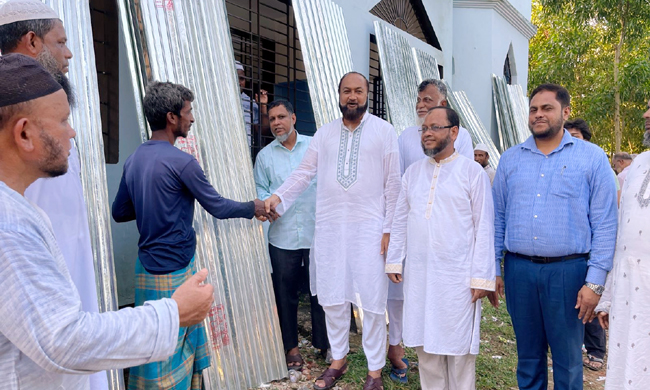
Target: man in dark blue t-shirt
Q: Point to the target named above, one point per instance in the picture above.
(158, 189)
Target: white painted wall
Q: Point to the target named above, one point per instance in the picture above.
(523, 6)
(482, 39)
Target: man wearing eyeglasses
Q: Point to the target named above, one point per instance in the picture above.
(431, 93)
(444, 225)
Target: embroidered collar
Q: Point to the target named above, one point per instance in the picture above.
(446, 160)
(366, 115)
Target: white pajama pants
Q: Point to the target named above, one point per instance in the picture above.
(395, 309)
(373, 338)
(446, 372)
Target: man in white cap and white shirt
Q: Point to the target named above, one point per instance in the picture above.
(482, 157)
(31, 28)
(431, 93)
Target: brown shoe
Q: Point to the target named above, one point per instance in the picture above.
(330, 377)
(373, 383)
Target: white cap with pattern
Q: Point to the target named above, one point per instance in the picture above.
(21, 10)
(482, 148)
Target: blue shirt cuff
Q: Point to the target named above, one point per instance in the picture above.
(498, 267)
(596, 276)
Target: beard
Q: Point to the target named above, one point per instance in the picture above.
(178, 132)
(553, 129)
(47, 60)
(282, 138)
(420, 121)
(442, 145)
(353, 114)
(646, 139)
(52, 165)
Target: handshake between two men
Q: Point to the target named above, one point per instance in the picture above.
(265, 210)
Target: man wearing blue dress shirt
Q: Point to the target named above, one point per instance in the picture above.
(555, 225)
(290, 236)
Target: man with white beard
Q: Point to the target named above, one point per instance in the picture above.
(431, 93)
(624, 306)
(356, 162)
(444, 225)
(290, 237)
(32, 28)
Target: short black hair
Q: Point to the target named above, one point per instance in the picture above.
(281, 102)
(161, 98)
(561, 93)
(581, 126)
(452, 116)
(12, 33)
(353, 72)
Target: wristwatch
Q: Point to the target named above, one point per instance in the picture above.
(597, 288)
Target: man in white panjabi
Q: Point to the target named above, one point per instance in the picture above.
(444, 225)
(356, 162)
(624, 306)
(43, 37)
(431, 93)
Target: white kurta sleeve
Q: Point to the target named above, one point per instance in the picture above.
(300, 178)
(483, 271)
(41, 316)
(397, 245)
(391, 178)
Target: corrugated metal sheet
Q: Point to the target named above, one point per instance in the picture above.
(399, 73)
(511, 109)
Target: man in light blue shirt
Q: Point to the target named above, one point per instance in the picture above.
(555, 222)
(290, 236)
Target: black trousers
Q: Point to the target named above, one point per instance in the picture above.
(290, 278)
(595, 339)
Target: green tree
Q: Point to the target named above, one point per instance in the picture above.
(600, 51)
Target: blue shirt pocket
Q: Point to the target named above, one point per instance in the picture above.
(567, 184)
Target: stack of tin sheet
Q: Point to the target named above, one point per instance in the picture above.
(426, 65)
(189, 42)
(511, 109)
(470, 120)
(400, 76)
(325, 52)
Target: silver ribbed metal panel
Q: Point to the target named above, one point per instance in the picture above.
(426, 65)
(325, 52)
(86, 120)
(511, 109)
(474, 125)
(189, 42)
(398, 69)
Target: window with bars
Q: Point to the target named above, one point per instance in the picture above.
(265, 41)
(376, 99)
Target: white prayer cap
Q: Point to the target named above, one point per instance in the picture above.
(481, 147)
(239, 66)
(21, 10)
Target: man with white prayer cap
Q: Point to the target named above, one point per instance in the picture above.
(249, 106)
(444, 226)
(32, 28)
(482, 156)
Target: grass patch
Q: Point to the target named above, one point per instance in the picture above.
(492, 372)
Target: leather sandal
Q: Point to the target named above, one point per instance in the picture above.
(330, 377)
(295, 359)
(589, 363)
(373, 383)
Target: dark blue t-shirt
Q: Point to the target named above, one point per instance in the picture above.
(158, 188)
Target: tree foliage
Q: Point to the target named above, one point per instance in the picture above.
(576, 46)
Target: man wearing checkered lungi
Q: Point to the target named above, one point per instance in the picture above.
(158, 189)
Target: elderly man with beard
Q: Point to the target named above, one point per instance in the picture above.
(47, 340)
(290, 237)
(444, 225)
(555, 222)
(624, 307)
(32, 28)
(355, 160)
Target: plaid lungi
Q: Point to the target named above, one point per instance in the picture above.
(182, 371)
